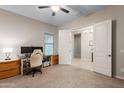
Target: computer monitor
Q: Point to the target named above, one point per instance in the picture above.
(33, 48)
(25, 50)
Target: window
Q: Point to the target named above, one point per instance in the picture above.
(49, 43)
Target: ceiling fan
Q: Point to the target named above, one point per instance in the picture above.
(55, 9)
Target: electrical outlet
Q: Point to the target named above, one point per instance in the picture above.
(121, 69)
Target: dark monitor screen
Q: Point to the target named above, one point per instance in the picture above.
(26, 50)
(30, 49)
(33, 48)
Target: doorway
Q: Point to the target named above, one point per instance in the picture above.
(83, 48)
(99, 59)
(77, 46)
(77, 49)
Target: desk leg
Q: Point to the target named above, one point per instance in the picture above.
(21, 67)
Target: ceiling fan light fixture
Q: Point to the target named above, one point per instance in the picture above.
(55, 8)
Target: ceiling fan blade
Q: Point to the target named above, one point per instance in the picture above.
(53, 14)
(43, 6)
(64, 10)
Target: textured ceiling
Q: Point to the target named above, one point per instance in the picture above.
(45, 15)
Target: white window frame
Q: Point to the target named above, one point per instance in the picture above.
(47, 33)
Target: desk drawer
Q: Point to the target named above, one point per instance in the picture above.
(8, 66)
(54, 59)
(9, 73)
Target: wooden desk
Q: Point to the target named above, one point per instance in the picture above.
(9, 68)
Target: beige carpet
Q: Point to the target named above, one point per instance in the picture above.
(62, 76)
(82, 64)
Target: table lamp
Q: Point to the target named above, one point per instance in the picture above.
(7, 52)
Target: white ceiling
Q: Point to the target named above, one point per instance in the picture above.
(45, 15)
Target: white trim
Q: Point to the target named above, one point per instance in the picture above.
(86, 60)
(52, 34)
(119, 77)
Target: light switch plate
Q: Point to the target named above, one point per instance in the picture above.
(121, 69)
(122, 51)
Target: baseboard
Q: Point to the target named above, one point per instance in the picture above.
(119, 77)
(85, 60)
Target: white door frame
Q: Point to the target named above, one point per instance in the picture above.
(73, 33)
(80, 32)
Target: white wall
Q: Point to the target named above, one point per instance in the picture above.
(16, 31)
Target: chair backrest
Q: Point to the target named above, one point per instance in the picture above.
(36, 58)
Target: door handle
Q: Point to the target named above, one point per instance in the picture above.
(109, 55)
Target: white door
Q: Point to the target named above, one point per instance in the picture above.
(103, 50)
(65, 47)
